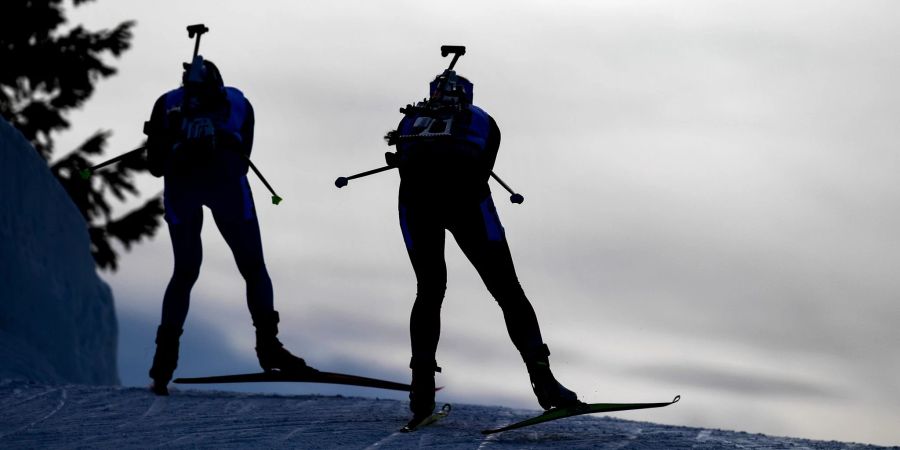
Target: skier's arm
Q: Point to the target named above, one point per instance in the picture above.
(246, 146)
(493, 145)
(237, 145)
(157, 139)
(399, 156)
(247, 130)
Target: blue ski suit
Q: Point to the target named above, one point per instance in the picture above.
(201, 148)
(444, 186)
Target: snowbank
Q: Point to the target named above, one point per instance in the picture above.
(57, 320)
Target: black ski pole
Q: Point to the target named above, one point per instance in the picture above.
(515, 198)
(86, 173)
(275, 198)
(342, 181)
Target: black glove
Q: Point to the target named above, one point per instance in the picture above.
(157, 150)
(392, 159)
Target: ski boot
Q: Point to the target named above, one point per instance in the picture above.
(271, 352)
(550, 393)
(166, 358)
(421, 396)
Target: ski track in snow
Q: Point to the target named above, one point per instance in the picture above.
(703, 435)
(159, 404)
(60, 404)
(39, 416)
(504, 418)
(382, 442)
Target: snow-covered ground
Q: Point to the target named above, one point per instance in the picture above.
(75, 416)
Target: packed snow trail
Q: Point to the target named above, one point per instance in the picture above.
(75, 416)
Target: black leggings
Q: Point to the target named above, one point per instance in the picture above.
(243, 237)
(480, 235)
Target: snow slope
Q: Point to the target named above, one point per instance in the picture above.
(57, 322)
(73, 416)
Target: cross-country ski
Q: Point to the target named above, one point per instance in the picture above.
(577, 410)
(308, 377)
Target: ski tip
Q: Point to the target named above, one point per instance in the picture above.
(677, 397)
(438, 388)
(419, 422)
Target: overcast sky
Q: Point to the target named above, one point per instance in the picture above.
(711, 200)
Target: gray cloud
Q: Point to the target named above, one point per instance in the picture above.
(748, 384)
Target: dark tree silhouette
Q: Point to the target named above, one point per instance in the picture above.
(48, 69)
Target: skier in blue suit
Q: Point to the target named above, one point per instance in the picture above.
(200, 137)
(446, 148)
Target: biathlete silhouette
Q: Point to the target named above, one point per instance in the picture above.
(445, 152)
(199, 138)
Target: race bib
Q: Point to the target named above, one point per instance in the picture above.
(199, 128)
(433, 127)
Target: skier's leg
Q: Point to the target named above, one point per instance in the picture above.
(482, 239)
(185, 220)
(235, 217)
(424, 238)
(165, 360)
(187, 250)
(270, 351)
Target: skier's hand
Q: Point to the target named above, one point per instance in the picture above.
(226, 139)
(392, 159)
